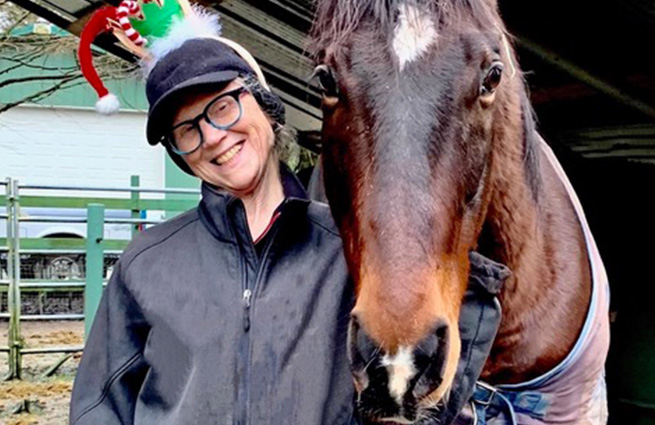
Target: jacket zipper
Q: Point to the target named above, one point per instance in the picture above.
(244, 345)
(243, 383)
(248, 301)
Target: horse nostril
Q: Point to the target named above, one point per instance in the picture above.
(361, 351)
(430, 358)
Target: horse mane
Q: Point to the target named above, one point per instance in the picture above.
(530, 144)
(336, 20)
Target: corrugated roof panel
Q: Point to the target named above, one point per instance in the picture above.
(627, 141)
(72, 7)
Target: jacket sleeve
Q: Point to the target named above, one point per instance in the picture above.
(112, 369)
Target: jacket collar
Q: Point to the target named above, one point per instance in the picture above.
(224, 214)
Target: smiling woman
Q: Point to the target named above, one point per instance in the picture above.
(235, 312)
(236, 138)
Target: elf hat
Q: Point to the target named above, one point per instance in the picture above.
(107, 102)
(119, 21)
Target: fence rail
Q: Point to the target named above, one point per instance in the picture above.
(46, 219)
(31, 244)
(130, 189)
(65, 285)
(16, 250)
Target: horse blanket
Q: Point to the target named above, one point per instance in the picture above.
(574, 392)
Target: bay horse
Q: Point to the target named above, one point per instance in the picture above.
(429, 152)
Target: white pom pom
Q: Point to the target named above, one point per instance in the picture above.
(108, 104)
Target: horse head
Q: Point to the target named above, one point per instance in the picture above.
(417, 97)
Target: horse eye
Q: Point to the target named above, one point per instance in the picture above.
(492, 80)
(326, 80)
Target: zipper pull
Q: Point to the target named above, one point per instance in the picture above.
(246, 298)
(247, 294)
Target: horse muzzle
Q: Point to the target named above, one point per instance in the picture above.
(394, 387)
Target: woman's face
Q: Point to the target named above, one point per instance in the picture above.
(234, 159)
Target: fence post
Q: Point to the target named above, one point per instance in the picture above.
(10, 274)
(136, 213)
(94, 263)
(13, 295)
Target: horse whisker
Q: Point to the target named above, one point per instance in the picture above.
(373, 356)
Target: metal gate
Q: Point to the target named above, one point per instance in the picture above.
(91, 252)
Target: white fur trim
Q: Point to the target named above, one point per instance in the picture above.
(201, 23)
(108, 104)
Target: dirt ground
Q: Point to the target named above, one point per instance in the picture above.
(45, 398)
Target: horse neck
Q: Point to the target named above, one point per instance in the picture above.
(532, 227)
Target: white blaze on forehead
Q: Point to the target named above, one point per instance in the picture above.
(400, 368)
(413, 34)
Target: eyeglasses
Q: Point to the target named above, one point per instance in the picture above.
(222, 112)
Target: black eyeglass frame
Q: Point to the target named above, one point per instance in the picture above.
(235, 94)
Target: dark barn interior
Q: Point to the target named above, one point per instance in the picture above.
(593, 90)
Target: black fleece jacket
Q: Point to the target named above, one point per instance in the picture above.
(195, 328)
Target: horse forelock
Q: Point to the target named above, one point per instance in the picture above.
(336, 20)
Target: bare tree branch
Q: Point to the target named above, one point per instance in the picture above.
(33, 51)
(9, 69)
(33, 78)
(29, 54)
(40, 95)
(33, 66)
(69, 81)
(18, 22)
(73, 83)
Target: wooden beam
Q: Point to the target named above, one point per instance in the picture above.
(567, 92)
(297, 13)
(74, 25)
(264, 23)
(608, 88)
(288, 69)
(292, 63)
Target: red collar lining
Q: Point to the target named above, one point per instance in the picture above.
(270, 224)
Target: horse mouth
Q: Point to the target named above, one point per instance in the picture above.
(421, 415)
(377, 405)
(409, 387)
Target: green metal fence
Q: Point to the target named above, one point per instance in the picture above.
(94, 247)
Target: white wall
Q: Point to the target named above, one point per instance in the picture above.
(73, 147)
(76, 147)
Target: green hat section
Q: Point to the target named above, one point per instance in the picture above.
(158, 20)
